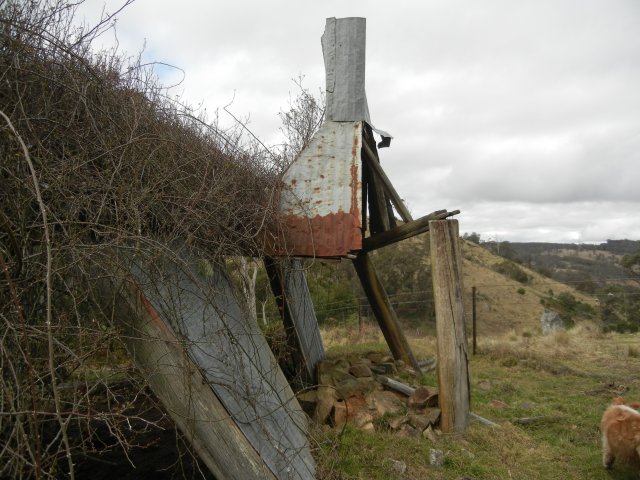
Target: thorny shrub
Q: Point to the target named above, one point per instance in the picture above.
(108, 162)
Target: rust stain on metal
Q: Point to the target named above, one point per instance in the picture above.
(152, 313)
(322, 195)
(332, 235)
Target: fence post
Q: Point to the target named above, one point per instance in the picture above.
(473, 315)
(453, 368)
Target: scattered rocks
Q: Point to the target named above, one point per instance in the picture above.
(526, 405)
(368, 427)
(436, 457)
(385, 402)
(396, 422)
(360, 370)
(384, 368)
(551, 322)
(362, 419)
(348, 392)
(423, 397)
(424, 421)
(484, 385)
(351, 387)
(375, 357)
(325, 400)
(499, 404)
(398, 467)
(408, 431)
(429, 434)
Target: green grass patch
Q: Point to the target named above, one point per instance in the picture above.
(546, 394)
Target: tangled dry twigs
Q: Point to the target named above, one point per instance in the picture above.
(107, 161)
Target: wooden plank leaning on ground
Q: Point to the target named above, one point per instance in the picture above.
(212, 369)
(383, 310)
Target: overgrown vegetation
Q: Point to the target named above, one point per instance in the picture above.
(95, 160)
(569, 308)
(620, 308)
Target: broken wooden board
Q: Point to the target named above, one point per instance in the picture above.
(289, 286)
(212, 369)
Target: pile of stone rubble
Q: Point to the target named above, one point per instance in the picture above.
(364, 392)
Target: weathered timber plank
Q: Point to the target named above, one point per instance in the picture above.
(382, 309)
(183, 390)
(404, 231)
(403, 388)
(371, 157)
(378, 214)
(453, 367)
(289, 286)
(197, 301)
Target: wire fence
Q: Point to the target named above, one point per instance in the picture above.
(490, 299)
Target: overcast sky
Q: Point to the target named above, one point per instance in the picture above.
(525, 115)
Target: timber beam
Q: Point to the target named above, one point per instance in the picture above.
(382, 309)
(373, 162)
(404, 231)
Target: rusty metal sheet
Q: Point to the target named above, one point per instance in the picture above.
(322, 195)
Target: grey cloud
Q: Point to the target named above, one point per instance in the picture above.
(496, 103)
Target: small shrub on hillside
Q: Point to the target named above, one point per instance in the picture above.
(544, 271)
(521, 291)
(569, 308)
(511, 270)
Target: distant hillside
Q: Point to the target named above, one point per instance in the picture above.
(610, 272)
(588, 267)
(512, 294)
(618, 247)
(505, 304)
(510, 297)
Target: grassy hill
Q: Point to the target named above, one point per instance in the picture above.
(508, 305)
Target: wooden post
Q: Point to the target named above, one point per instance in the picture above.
(383, 311)
(473, 314)
(453, 368)
(371, 157)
